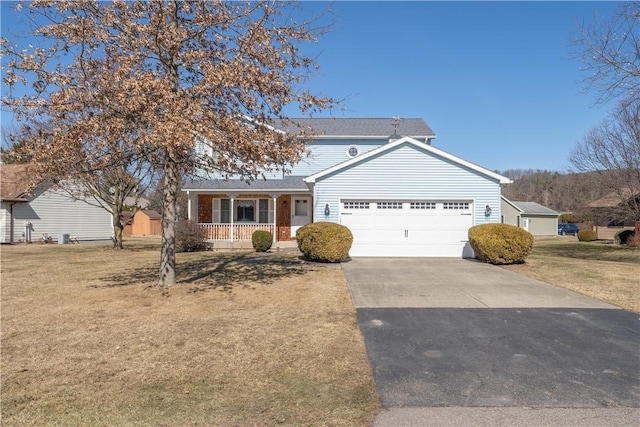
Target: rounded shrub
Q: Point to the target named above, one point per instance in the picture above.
(500, 243)
(622, 237)
(261, 240)
(587, 235)
(324, 241)
(190, 237)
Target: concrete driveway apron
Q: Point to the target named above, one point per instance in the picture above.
(458, 342)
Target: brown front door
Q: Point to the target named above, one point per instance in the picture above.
(283, 217)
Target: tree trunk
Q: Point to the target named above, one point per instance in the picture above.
(170, 194)
(117, 232)
(116, 219)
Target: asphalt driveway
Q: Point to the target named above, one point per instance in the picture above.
(452, 337)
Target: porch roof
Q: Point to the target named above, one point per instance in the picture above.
(288, 184)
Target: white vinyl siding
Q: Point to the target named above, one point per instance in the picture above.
(324, 154)
(5, 223)
(52, 213)
(321, 154)
(408, 173)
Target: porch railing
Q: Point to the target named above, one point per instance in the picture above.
(240, 231)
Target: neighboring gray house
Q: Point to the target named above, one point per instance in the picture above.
(45, 211)
(533, 217)
(398, 195)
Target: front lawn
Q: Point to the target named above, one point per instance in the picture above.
(244, 339)
(604, 271)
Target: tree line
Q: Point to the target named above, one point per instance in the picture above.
(562, 192)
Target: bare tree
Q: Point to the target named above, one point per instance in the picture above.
(610, 54)
(612, 150)
(176, 73)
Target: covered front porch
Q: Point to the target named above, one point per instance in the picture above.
(236, 212)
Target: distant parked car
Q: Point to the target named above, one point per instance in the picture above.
(567, 228)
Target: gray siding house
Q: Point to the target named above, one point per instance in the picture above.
(46, 212)
(398, 195)
(533, 217)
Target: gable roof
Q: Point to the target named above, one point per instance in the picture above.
(15, 182)
(420, 145)
(531, 208)
(360, 128)
(140, 201)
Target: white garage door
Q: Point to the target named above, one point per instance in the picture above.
(408, 228)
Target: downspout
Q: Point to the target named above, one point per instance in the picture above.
(11, 221)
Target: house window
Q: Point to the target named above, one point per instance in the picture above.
(422, 205)
(301, 207)
(263, 213)
(389, 205)
(356, 205)
(225, 208)
(245, 210)
(353, 151)
(460, 206)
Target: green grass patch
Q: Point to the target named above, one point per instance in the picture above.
(604, 271)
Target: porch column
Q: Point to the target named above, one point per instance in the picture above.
(232, 197)
(188, 205)
(275, 216)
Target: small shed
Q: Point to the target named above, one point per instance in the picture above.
(145, 223)
(536, 219)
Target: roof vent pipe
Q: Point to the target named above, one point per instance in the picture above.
(395, 123)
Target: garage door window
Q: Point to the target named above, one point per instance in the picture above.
(422, 205)
(356, 205)
(458, 206)
(389, 205)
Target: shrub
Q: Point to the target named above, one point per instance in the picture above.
(634, 241)
(325, 241)
(190, 237)
(587, 235)
(500, 243)
(261, 240)
(622, 237)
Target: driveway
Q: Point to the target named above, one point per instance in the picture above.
(458, 342)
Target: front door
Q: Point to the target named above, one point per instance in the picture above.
(300, 212)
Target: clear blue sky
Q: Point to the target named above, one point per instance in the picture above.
(496, 81)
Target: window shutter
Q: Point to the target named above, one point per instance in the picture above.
(215, 213)
(263, 215)
(225, 207)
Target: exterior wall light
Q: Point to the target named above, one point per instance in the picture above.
(327, 211)
(487, 211)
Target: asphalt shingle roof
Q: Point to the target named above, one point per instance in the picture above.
(533, 208)
(15, 182)
(291, 182)
(369, 127)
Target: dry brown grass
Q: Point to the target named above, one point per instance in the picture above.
(244, 340)
(604, 271)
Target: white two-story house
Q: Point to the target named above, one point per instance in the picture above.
(399, 195)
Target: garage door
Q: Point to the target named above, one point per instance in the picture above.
(424, 228)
